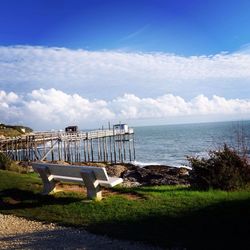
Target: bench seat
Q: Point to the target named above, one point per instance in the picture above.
(113, 181)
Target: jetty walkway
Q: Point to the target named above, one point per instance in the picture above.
(105, 145)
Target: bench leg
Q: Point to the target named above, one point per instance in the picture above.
(93, 188)
(48, 185)
(94, 194)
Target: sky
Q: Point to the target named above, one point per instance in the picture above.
(87, 62)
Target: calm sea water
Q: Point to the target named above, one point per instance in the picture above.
(170, 144)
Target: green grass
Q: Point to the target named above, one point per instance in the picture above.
(165, 215)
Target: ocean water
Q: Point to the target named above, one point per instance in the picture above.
(170, 144)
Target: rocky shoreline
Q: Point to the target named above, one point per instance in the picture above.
(149, 175)
(138, 176)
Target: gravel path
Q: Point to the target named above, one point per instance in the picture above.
(19, 233)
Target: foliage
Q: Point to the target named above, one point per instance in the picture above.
(7, 164)
(164, 215)
(224, 169)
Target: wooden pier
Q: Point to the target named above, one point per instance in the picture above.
(105, 145)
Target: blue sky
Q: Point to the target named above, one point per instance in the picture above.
(182, 27)
(144, 61)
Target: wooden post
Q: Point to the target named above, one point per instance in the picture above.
(88, 147)
(85, 156)
(98, 147)
(23, 150)
(44, 146)
(91, 148)
(129, 145)
(103, 150)
(75, 149)
(124, 147)
(52, 151)
(105, 147)
(64, 150)
(119, 147)
(78, 150)
(114, 146)
(61, 148)
(28, 148)
(58, 149)
(68, 150)
(110, 146)
(134, 145)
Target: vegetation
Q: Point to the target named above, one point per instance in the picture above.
(165, 215)
(12, 131)
(7, 164)
(225, 169)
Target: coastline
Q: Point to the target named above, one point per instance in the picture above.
(134, 175)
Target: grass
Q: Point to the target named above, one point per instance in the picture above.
(165, 215)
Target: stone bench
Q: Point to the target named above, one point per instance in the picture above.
(92, 177)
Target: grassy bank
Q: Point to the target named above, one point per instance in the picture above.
(164, 215)
(12, 131)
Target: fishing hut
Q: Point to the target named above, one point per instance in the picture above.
(71, 129)
(114, 145)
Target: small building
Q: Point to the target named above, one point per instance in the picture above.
(123, 127)
(71, 129)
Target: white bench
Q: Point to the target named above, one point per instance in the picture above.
(92, 177)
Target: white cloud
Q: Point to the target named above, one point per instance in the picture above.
(108, 74)
(53, 87)
(51, 108)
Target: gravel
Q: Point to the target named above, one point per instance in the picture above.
(20, 233)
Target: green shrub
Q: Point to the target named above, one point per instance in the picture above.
(224, 169)
(7, 164)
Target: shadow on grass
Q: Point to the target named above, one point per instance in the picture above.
(221, 226)
(16, 199)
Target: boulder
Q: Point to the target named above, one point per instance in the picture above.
(116, 170)
(158, 175)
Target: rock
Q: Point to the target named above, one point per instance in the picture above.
(158, 175)
(183, 172)
(116, 170)
(129, 184)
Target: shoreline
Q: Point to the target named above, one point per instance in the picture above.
(134, 175)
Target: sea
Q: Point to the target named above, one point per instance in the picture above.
(172, 144)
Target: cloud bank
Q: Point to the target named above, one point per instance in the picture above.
(51, 108)
(48, 87)
(108, 74)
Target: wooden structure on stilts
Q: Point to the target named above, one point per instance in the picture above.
(105, 145)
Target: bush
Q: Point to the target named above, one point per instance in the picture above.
(224, 169)
(7, 164)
